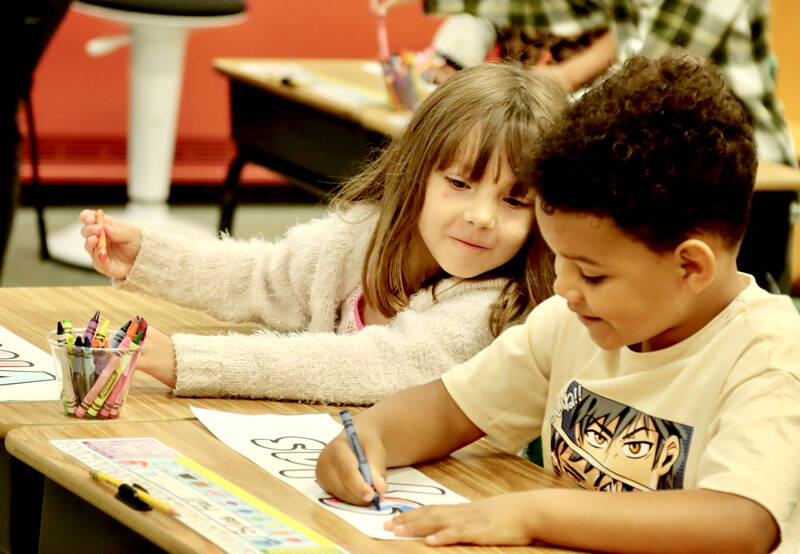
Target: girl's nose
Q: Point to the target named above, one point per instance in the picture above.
(481, 213)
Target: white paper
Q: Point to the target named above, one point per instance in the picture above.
(287, 446)
(26, 372)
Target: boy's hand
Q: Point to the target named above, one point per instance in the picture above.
(499, 520)
(337, 467)
(123, 241)
(158, 357)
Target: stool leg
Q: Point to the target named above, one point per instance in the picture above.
(230, 193)
(157, 55)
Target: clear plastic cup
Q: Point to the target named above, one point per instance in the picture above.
(94, 381)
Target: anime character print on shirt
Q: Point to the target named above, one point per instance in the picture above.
(604, 445)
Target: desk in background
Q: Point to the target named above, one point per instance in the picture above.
(475, 472)
(314, 140)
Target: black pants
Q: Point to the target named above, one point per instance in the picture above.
(765, 242)
(29, 26)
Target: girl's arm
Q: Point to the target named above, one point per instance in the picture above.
(663, 521)
(416, 347)
(244, 280)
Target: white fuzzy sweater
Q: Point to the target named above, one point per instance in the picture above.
(295, 287)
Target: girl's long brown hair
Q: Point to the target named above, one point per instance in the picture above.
(507, 109)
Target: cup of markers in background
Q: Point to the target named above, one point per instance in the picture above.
(95, 379)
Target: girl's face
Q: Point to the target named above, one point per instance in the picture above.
(470, 226)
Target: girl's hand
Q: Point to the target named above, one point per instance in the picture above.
(123, 241)
(337, 467)
(158, 357)
(507, 519)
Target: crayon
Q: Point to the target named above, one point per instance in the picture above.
(102, 252)
(383, 37)
(358, 450)
(91, 327)
(101, 333)
(145, 497)
(113, 376)
(99, 355)
(78, 381)
(120, 335)
(115, 394)
(101, 380)
(68, 330)
(126, 379)
(88, 366)
(68, 397)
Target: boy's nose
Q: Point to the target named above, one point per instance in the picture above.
(565, 288)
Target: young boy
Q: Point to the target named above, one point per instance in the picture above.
(658, 366)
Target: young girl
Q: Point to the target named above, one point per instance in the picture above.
(423, 259)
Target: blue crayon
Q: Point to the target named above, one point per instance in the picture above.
(358, 450)
(117, 338)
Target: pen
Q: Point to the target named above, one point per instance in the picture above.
(383, 37)
(101, 240)
(148, 499)
(355, 444)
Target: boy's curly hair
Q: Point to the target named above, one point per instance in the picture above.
(662, 146)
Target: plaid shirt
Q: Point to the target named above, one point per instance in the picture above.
(734, 34)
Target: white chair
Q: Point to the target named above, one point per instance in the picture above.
(157, 32)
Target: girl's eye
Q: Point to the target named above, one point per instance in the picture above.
(457, 183)
(516, 202)
(592, 279)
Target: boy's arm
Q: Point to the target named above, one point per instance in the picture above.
(414, 425)
(663, 521)
(585, 66)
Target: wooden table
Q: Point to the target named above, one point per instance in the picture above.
(475, 472)
(31, 312)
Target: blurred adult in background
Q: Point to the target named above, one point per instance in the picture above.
(734, 34)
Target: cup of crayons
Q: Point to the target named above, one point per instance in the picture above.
(95, 364)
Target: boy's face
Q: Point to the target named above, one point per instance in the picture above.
(622, 291)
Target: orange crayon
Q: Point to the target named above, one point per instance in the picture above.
(101, 241)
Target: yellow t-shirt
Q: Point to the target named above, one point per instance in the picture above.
(720, 410)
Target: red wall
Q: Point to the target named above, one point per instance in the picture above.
(81, 105)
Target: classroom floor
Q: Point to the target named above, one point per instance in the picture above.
(24, 268)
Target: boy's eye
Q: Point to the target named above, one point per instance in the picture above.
(516, 202)
(592, 279)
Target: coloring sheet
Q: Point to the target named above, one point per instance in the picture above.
(287, 446)
(26, 372)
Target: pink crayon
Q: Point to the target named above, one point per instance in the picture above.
(114, 399)
(111, 364)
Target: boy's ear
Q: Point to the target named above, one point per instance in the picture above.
(698, 264)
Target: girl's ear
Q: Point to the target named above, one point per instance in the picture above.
(698, 264)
